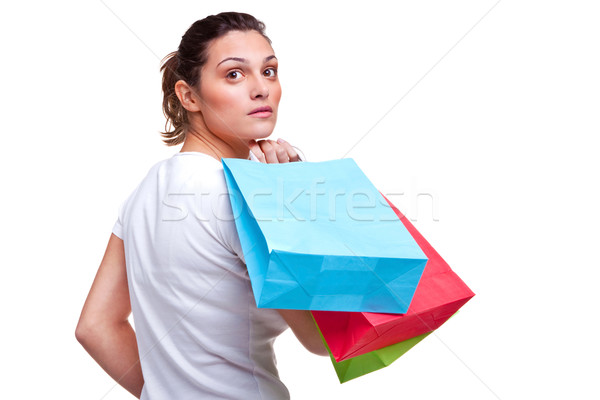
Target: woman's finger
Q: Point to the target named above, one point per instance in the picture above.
(269, 152)
(292, 155)
(274, 152)
(282, 154)
(256, 150)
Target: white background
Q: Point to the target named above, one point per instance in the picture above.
(495, 128)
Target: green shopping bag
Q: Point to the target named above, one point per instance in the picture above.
(374, 360)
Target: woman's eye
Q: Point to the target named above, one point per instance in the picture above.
(271, 72)
(234, 75)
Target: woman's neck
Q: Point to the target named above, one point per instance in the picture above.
(214, 146)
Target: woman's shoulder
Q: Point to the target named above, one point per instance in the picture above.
(187, 173)
(182, 172)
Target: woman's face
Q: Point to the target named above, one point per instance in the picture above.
(240, 76)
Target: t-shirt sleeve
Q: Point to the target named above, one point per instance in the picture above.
(236, 246)
(118, 229)
(118, 226)
(225, 221)
(230, 237)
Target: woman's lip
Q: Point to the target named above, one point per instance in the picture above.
(261, 109)
(261, 114)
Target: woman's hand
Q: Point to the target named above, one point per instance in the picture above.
(274, 152)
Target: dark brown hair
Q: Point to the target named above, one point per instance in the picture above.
(186, 63)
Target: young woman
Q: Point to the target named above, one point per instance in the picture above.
(174, 258)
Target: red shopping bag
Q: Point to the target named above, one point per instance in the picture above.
(439, 295)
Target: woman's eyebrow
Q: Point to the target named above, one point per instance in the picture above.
(244, 61)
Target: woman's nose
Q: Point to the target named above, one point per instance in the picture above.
(259, 89)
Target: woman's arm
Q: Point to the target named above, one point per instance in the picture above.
(304, 327)
(103, 329)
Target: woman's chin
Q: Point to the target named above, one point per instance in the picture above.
(262, 134)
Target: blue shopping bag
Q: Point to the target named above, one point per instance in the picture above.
(320, 236)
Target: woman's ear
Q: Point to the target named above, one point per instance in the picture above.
(187, 96)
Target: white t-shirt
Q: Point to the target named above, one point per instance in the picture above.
(199, 333)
